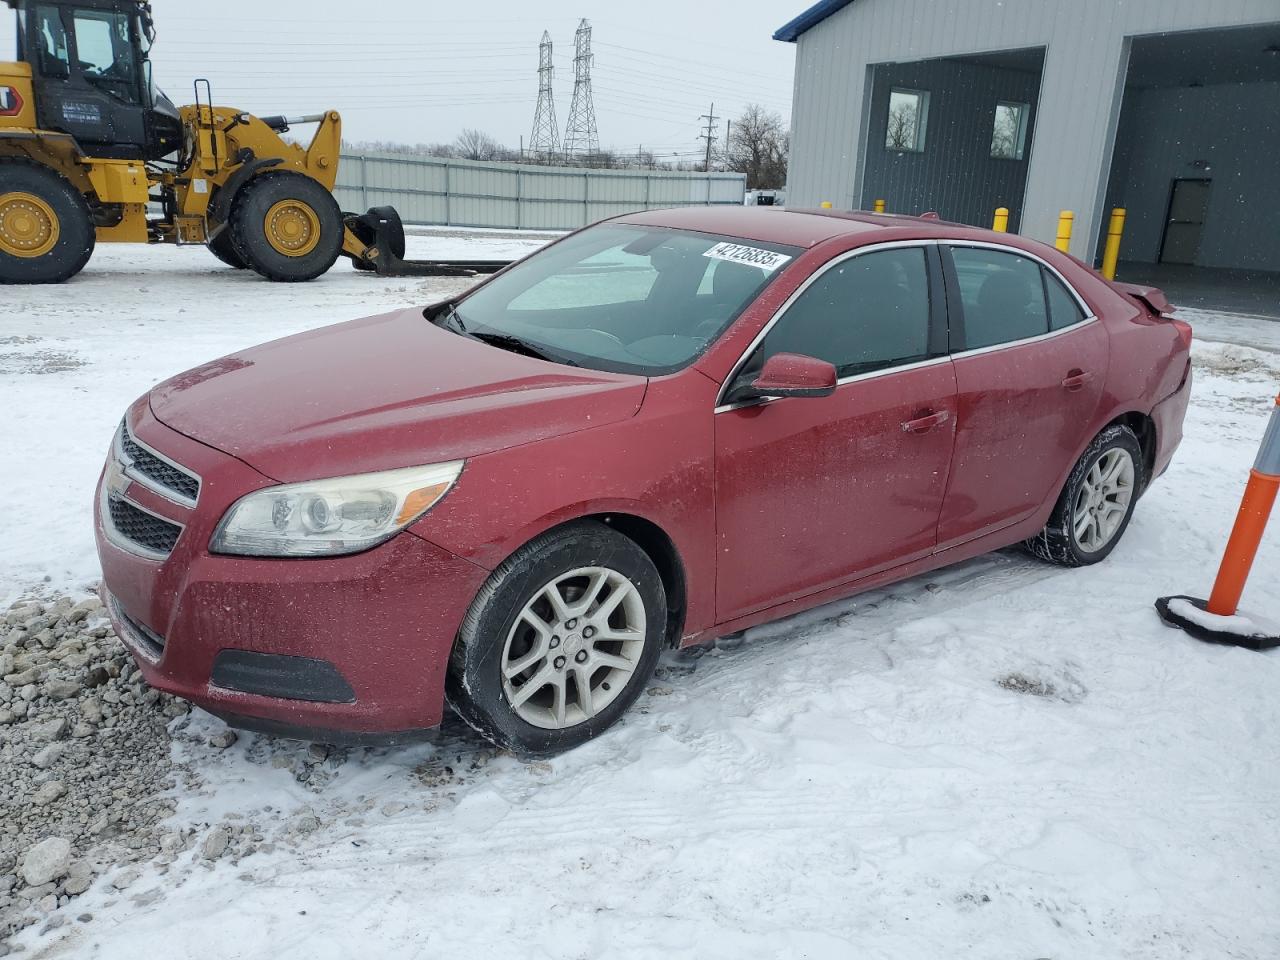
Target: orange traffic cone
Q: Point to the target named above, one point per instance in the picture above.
(1218, 620)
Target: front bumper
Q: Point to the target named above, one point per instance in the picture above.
(354, 645)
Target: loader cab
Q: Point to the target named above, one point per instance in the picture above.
(92, 75)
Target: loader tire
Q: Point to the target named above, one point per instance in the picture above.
(46, 234)
(222, 248)
(286, 227)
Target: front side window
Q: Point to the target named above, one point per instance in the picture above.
(623, 298)
(908, 118)
(1009, 131)
(865, 314)
(1002, 294)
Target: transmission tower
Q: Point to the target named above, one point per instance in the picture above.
(580, 135)
(709, 135)
(546, 135)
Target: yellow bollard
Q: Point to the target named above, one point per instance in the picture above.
(826, 204)
(1111, 257)
(1001, 223)
(1066, 220)
(879, 206)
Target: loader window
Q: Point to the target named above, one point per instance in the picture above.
(51, 44)
(105, 52)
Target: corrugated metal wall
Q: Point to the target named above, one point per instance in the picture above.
(1087, 43)
(962, 102)
(427, 190)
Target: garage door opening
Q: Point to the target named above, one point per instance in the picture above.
(952, 134)
(1195, 167)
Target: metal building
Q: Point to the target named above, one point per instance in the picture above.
(1170, 108)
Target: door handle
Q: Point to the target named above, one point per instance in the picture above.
(1076, 379)
(927, 422)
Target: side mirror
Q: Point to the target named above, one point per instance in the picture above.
(789, 375)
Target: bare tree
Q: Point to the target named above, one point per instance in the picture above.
(901, 134)
(758, 147)
(477, 145)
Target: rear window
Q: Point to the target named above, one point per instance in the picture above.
(1003, 297)
(625, 298)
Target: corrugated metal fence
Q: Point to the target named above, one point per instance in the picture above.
(466, 193)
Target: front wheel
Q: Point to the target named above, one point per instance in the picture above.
(560, 640)
(1097, 503)
(286, 227)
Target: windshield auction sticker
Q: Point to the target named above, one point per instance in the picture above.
(766, 260)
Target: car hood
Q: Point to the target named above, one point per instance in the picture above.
(384, 392)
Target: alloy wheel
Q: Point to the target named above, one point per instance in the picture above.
(1103, 500)
(573, 647)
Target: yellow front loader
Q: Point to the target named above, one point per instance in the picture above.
(92, 151)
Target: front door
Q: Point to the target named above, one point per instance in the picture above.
(811, 493)
(1030, 367)
(1188, 207)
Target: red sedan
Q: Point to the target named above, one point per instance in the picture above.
(661, 429)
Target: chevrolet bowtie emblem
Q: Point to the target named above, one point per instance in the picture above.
(116, 481)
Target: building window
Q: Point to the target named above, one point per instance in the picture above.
(1009, 134)
(908, 117)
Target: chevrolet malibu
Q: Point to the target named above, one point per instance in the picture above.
(664, 428)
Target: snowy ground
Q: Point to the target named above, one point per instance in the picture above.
(1002, 759)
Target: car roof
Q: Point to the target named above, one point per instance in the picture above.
(793, 227)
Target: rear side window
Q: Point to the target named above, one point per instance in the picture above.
(1064, 310)
(865, 314)
(1003, 297)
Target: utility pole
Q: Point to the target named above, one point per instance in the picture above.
(710, 135)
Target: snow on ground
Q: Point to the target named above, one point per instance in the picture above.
(1002, 759)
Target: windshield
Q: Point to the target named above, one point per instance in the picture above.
(622, 298)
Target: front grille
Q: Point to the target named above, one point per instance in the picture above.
(146, 463)
(142, 528)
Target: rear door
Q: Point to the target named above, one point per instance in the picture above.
(811, 493)
(1030, 363)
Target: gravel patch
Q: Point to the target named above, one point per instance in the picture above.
(84, 759)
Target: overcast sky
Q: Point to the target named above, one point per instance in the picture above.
(419, 71)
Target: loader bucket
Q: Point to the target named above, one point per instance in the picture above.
(380, 247)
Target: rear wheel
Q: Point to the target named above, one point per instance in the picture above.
(286, 227)
(1097, 503)
(560, 641)
(222, 248)
(46, 234)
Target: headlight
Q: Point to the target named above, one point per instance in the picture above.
(328, 517)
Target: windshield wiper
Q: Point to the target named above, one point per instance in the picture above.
(506, 341)
(452, 320)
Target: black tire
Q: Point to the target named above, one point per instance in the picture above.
(76, 234)
(222, 248)
(249, 232)
(475, 684)
(1057, 542)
